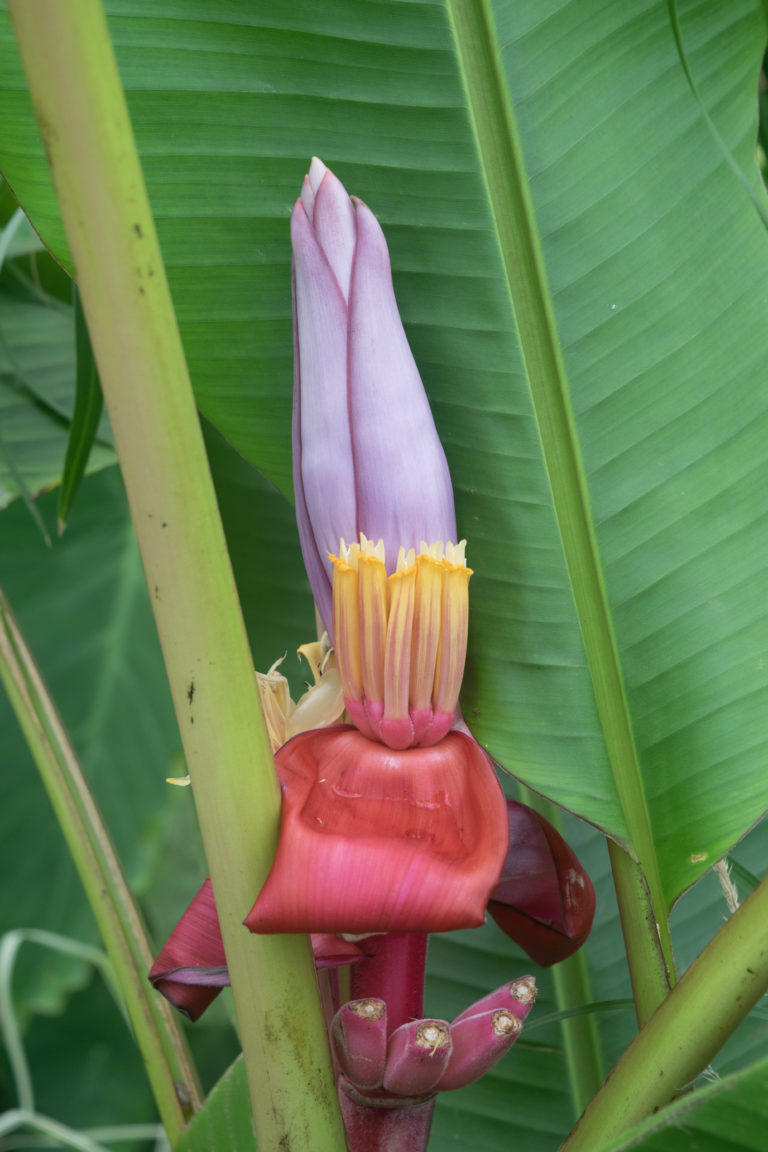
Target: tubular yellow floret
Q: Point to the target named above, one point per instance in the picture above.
(401, 639)
(452, 644)
(373, 598)
(426, 628)
(397, 666)
(346, 615)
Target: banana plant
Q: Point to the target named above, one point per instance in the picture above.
(576, 219)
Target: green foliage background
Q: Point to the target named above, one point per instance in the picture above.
(645, 208)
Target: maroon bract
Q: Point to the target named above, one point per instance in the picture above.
(191, 969)
(544, 899)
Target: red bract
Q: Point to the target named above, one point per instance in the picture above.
(192, 969)
(378, 840)
(544, 900)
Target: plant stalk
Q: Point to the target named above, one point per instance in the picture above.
(84, 123)
(650, 955)
(583, 1054)
(394, 971)
(171, 1074)
(387, 1125)
(715, 994)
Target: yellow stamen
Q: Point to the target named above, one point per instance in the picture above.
(372, 591)
(397, 661)
(452, 645)
(401, 639)
(426, 627)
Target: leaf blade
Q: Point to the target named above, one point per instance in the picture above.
(89, 404)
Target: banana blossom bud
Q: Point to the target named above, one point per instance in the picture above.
(369, 467)
(366, 454)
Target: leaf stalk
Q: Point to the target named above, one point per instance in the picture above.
(713, 996)
(171, 1074)
(83, 120)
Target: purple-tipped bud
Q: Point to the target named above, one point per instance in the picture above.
(479, 1042)
(544, 899)
(367, 458)
(359, 1038)
(417, 1057)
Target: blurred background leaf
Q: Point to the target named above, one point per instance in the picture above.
(655, 258)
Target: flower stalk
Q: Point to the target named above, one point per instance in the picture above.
(81, 110)
(391, 1124)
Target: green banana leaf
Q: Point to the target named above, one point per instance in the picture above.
(574, 211)
(728, 1116)
(37, 363)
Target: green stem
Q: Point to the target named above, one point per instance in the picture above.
(63, 1136)
(513, 215)
(162, 1044)
(583, 1055)
(581, 1039)
(722, 985)
(649, 970)
(83, 119)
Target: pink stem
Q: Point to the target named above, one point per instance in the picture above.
(393, 971)
(387, 1124)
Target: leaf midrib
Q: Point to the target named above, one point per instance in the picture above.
(509, 200)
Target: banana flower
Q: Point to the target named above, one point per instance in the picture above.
(397, 822)
(393, 825)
